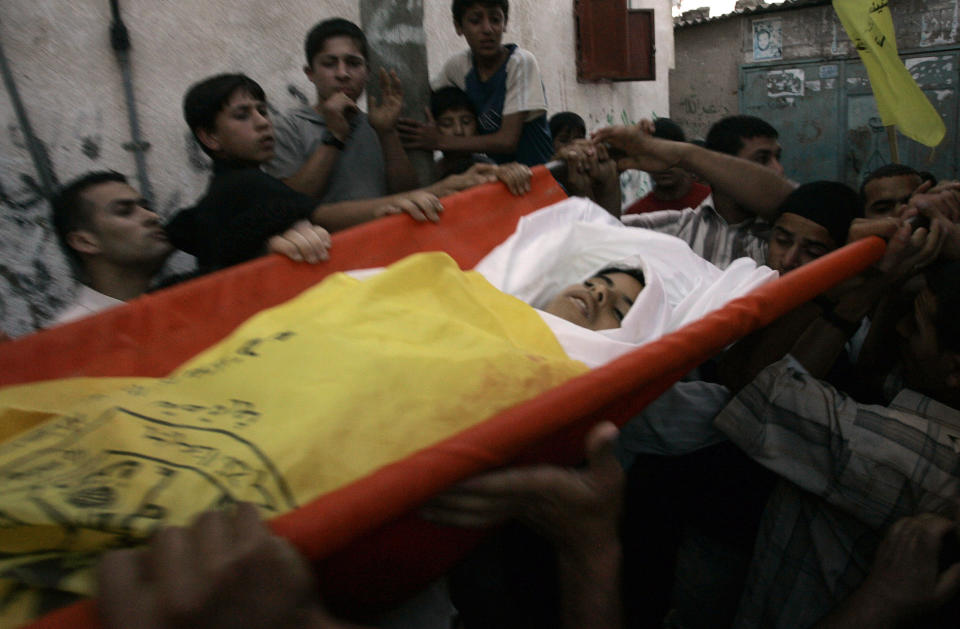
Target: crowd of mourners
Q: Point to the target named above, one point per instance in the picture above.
(808, 476)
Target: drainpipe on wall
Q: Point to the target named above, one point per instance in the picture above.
(120, 42)
(38, 152)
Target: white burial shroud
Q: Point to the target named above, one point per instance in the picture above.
(568, 242)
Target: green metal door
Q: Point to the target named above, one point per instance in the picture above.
(803, 101)
(866, 145)
(828, 121)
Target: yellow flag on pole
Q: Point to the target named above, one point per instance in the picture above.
(900, 100)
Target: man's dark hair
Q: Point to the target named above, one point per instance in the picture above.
(334, 27)
(204, 100)
(71, 211)
(450, 97)
(668, 130)
(828, 203)
(460, 7)
(887, 170)
(727, 135)
(636, 274)
(566, 120)
(942, 280)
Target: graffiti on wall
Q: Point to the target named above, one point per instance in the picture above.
(696, 115)
(34, 278)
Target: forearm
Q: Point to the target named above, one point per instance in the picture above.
(821, 343)
(740, 364)
(245, 236)
(590, 584)
(754, 187)
(818, 347)
(452, 184)
(607, 195)
(860, 610)
(337, 216)
(311, 179)
(401, 176)
(446, 186)
(503, 141)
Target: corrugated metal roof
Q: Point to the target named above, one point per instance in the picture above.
(754, 7)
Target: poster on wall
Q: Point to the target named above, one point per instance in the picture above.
(785, 83)
(767, 39)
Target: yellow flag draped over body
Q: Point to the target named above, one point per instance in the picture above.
(299, 400)
(900, 100)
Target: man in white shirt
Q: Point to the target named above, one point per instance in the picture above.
(114, 241)
(116, 244)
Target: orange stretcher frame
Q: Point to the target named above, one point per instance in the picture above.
(362, 536)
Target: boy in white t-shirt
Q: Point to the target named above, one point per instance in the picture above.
(503, 83)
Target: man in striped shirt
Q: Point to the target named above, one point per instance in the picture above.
(733, 222)
(851, 470)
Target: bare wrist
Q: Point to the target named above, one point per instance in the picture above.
(878, 608)
(592, 544)
(683, 155)
(315, 618)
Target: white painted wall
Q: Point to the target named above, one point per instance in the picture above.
(71, 86)
(547, 29)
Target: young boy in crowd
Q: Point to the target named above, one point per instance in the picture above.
(673, 188)
(331, 150)
(244, 206)
(565, 127)
(504, 84)
(455, 117)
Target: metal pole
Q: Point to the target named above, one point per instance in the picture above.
(120, 42)
(38, 152)
(892, 140)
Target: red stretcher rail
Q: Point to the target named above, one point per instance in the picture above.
(367, 545)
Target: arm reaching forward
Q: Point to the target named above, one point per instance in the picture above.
(578, 510)
(756, 188)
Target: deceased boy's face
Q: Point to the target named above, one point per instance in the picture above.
(339, 67)
(242, 130)
(599, 303)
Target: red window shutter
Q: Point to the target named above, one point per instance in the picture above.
(614, 43)
(640, 45)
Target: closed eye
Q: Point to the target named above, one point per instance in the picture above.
(782, 236)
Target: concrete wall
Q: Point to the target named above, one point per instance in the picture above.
(703, 85)
(71, 85)
(705, 82)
